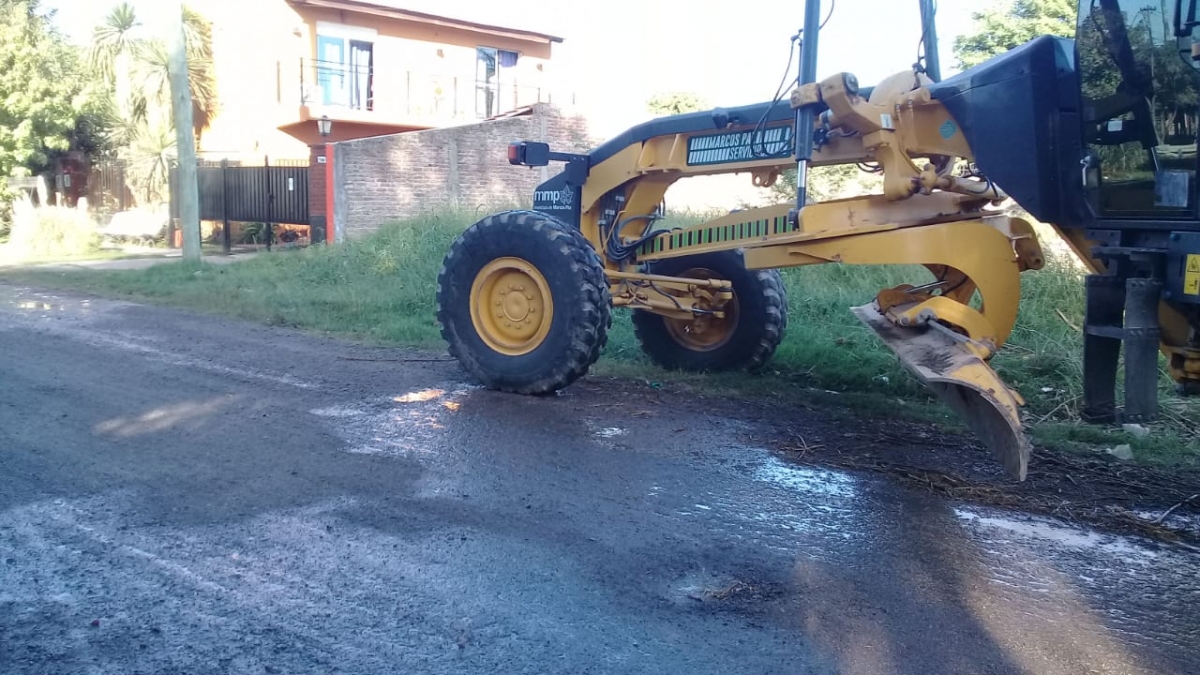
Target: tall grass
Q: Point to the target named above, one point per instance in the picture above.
(47, 232)
(381, 288)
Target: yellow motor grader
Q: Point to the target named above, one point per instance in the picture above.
(1095, 136)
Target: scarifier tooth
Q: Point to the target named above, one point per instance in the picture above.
(964, 381)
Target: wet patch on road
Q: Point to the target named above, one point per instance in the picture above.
(405, 425)
(1076, 567)
(808, 481)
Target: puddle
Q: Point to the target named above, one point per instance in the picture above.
(608, 433)
(1144, 590)
(30, 301)
(45, 306)
(49, 306)
(421, 396)
(706, 586)
(407, 424)
(786, 507)
(807, 481)
(1056, 533)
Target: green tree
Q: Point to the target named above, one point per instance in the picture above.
(47, 107)
(675, 103)
(1012, 24)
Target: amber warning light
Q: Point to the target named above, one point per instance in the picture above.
(526, 153)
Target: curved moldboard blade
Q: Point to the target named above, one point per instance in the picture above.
(964, 382)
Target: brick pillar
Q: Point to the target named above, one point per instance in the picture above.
(318, 210)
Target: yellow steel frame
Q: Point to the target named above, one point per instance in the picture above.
(981, 250)
(673, 297)
(924, 216)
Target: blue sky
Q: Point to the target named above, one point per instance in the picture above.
(617, 53)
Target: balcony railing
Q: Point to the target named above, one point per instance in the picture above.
(395, 95)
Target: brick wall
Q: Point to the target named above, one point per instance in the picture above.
(386, 178)
(316, 181)
(318, 220)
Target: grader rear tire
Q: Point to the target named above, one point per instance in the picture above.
(744, 340)
(522, 303)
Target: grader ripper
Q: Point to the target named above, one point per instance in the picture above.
(525, 297)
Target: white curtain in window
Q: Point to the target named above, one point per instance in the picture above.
(360, 62)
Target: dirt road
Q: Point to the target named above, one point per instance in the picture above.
(186, 494)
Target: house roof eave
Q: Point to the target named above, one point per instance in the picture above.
(367, 7)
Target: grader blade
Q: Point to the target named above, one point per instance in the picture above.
(964, 381)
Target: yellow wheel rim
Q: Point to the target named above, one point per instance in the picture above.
(511, 306)
(704, 333)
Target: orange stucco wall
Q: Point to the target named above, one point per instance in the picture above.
(420, 32)
(258, 47)
(429, 71)
(251, 40)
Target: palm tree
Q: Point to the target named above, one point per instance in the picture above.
(149, 157)
(114, 45)
(135, 70)
(153, 80)
(137, 67)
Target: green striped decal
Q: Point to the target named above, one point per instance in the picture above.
(751, 229)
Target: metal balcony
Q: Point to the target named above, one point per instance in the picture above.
(394, 96)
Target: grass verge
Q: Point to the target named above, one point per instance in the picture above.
(381, 289)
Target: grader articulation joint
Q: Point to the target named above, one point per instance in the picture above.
(525, 297)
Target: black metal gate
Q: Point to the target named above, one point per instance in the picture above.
(270, 194)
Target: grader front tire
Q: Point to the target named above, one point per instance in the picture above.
(522, 303)
(745, 339)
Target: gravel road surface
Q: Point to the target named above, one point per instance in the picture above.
(186, 494)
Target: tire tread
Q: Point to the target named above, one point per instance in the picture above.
(588, 335)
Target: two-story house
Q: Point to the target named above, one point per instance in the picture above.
(372, 66)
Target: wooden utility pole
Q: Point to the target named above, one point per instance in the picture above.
(181, 104)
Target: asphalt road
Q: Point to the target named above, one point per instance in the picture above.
(184, 494)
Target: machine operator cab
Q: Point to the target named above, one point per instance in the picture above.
(1140, 105)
